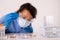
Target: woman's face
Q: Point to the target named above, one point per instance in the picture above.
(25, 14)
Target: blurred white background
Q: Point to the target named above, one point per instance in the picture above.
(44, 8)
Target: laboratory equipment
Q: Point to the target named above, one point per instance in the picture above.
(51, 26)
(2, 34)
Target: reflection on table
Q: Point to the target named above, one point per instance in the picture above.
(17, 36)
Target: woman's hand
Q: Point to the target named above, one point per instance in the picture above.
(2, 27)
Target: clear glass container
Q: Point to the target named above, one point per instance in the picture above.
(52, 26)
(2, 33)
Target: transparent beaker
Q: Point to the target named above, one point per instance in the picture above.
(2, 33)
(52, 26)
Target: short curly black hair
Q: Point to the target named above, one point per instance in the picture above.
(29, 7)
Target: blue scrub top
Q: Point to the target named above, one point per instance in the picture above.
(14, 27)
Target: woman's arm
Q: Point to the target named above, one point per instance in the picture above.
(2, 27)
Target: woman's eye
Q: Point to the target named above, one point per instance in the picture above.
(24, 17)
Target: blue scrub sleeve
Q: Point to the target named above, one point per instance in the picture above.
(7, 19)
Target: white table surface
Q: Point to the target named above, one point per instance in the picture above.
(25, 37)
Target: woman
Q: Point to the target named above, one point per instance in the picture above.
(19, 21)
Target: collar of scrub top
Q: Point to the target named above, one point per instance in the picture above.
(9, 18)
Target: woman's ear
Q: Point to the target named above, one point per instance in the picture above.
(20, 13)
